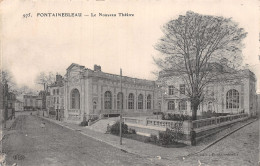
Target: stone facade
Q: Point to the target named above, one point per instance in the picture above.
(229, 93)
(55, 98)
(93, 92)
(30, 102)
(90, 92)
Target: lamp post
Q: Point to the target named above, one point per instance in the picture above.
(121, 106)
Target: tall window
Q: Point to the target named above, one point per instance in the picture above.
(171, 90)
(171, 105)
(57, 91)
(108, 100)
(183, 105)
(131, 101)
(120, 100)
(210, 106)
(140, 101)
(182, 89)
(232, 99)
(149, 102)
(75, 99)
(94, 105)
(53, 91)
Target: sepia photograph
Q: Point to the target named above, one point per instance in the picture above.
(121, 83)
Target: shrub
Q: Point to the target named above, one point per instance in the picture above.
(153, 138)
(131, 131)
(158, 113)
(92, 119)
(175, 117)
(84, 123)
(148, 139)
(115, 128)
(52, 112)
(167, 137)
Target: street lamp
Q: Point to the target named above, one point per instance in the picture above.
(121, 110)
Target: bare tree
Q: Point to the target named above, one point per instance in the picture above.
(45, 79)
(7, 78)
(25, 90)
(193, 46)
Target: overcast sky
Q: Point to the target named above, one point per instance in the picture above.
(35, 44)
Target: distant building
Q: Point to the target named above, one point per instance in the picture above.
(258, 104)
(38, 103)
(41, 100)
(55, 98)
(30, 102)
(11, 100)
(18, 105)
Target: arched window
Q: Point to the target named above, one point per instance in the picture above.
(75, 99)
(210, 107)
(120, 100)
(131, 101)
(108, 100)
(149, 101)
(232, 99)
(140, 101)
(182, 105)
(171, 105)
(94, 105)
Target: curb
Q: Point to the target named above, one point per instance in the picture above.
(221, 138)
(126, 150)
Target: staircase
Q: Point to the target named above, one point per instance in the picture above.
(101, 125)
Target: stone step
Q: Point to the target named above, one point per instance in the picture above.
(101, 125)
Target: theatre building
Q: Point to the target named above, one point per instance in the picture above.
(90, 92)
(232, 92)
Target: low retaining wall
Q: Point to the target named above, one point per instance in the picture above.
(193, 131)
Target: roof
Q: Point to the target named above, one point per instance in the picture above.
(75, 64)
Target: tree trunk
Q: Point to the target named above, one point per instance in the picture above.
(194, 108)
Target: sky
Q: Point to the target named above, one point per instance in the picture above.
(35, 44)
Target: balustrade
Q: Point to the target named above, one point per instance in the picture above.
(216, 120)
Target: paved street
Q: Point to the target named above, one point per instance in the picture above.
(28, 144)
(240, 149)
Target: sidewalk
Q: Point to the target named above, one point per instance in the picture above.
(4, 130)
(143, 149)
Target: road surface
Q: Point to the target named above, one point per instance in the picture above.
(28, 143)
(239, 149)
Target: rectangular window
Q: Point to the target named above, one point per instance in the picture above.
(53, 91)
(171, 90)
(182, 89)
(57, 91)
(58, 100)
(54, 100)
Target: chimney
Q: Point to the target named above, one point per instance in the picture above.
(58, 79)
(97, 68)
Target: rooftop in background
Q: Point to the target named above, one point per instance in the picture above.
(58, 81)
(97, 72)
